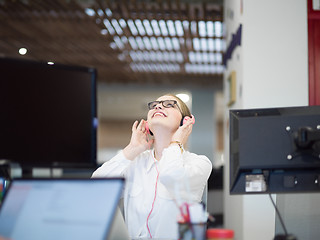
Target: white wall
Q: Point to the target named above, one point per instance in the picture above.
(271, 70)
(275, 53)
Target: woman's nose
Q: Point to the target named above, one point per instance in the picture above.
(158, 106)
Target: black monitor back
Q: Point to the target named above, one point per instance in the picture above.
(264, 156)
(48, 114)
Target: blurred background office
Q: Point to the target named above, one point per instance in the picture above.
(218, 54)
(141, 50)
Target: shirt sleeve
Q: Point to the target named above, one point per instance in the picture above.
(115, 167)
(184, 174)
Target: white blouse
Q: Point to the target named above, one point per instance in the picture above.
(150, 200)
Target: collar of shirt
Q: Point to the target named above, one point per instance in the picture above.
(151, 161)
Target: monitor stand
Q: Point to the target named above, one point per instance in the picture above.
(27, 173)
(285, 237)
(5, 169)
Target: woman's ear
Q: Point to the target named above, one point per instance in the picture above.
(186, 118)
(148, 130)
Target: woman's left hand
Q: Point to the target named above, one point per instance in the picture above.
(183, 132)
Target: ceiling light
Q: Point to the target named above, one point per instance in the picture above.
(104, 31)
(220, 68)
(146, 56)
(140, 27)
(133, 67)
(196, 44)
(160, 56)
(173, 56)
(218, 29)
(202, 29)
(50, 63)
(218, 45)
(124, 39)
(198, 57)
(90, 12)
(179, 57)
(155, 27)
(210, 29)
(166, 56)
(148, 27)
(168, 43)
(117, 26)
(210, 44)
(113, 45)
(163, 27)
(132, 27)
(122, 23)
(140, 43)
(108, 26)
(100, 12)
(22, 51)
(175, 43)
(185, 24)
(154, 43)
(179, 28)
(172, 30)
(118, 42)
(133, 56)
(161, 43)
(218, 57)
(162, 68)
(184, 97)
(122, 57)
(191, 56)
(140, 56)
(108, 12)
(133, 43)
(194, 28)
(205, 57)
(147, 43)
(211, 57)
(203, 44)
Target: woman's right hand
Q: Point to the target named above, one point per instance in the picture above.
(138, 142)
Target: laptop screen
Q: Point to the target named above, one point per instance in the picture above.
(59, 208)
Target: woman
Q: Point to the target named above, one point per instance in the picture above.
(158, 180)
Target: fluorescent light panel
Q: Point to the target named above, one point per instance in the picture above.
(140, 27)
(163, 27)
(154, 53)
(179, 28)
(204, 68)
(109, 26)
(156, 56)
(140, 43)
(90, 12)
(155, 67)
(118, 42)
(132, 27)
(117, 27)
(148, 27)
(108, 12)
(171, 28)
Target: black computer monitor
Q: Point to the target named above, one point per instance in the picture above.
(47, 114)
(275, 150)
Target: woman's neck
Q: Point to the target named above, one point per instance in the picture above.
(161, 142)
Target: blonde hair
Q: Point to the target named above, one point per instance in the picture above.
(181, 104)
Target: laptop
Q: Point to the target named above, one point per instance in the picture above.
(51, 209)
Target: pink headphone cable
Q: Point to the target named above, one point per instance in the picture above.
(155, 195)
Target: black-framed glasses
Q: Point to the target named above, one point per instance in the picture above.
(165, 103)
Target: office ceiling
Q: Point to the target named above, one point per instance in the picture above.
(171, 42)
